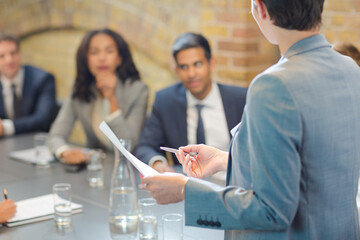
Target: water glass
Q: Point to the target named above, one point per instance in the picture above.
(62, 204)
(172, 226)
(147, 219)
(95, 168)
(41, 150)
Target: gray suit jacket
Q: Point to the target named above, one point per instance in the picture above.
(294, 163)
(132, 100)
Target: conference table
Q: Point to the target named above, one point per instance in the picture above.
(24, 181)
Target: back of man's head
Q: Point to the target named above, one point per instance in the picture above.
(9, 38)
(191, 40)
(295, 14)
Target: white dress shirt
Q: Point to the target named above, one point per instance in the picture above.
(18, 80)
(214, 120)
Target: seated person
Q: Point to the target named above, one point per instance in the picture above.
(107, 87)
(348, 49)
(27, 94)
(7, 210)
(175, 116)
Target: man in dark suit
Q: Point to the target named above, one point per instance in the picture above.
(174, 120)
(27, 94)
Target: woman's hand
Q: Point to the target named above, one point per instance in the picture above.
(208, 160)
(7, 210)
(106, 82)
(73, 156)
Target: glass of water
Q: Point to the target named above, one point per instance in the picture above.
(95, 168)
(172, 224)
(41, 150)
(147, 219)
(62, 204)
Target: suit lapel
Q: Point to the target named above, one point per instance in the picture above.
(180, 115)
(26, 99)
(2, 106)
(229, 108)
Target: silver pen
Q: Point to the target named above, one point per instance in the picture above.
(174, 150)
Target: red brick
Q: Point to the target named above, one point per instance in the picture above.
(250, 61)
(237, 47)
(246, 32)
(221, 60)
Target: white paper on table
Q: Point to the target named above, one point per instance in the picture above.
(29, 156)
(143, 168)
(37, 209)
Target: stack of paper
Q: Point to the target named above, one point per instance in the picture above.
(29, 156)
(37, 209)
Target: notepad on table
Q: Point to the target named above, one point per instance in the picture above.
(37, 209)
(28, 156)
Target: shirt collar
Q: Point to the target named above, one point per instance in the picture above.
(307, 44)
(208, 101)
(18, 79)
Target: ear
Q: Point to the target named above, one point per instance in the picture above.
(176, 69)
(260, 9)
(212, 63)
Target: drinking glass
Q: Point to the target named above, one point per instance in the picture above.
(62, 204)
(41, 150)
(172, 226)
(147, 219)
(95, 168)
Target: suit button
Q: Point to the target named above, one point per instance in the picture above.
(199, 221)
(206, 222)
(218, 224)
(212, 223)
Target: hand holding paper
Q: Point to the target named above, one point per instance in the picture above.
(143, 168)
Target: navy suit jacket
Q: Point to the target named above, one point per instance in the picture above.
(37, 102)
(167, 125)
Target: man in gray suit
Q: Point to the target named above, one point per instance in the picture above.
(293, 166)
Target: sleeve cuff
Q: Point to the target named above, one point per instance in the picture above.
(112, 116)
(60, 150)
(157, 158)
(9, 128)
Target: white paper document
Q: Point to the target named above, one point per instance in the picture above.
(143, 168)
(29, 156)
(37, 209)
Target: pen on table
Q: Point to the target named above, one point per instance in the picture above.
(173, 150)
(5, 193)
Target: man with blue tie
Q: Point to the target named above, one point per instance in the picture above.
(27, 94)
(197, 110)
(293, 165)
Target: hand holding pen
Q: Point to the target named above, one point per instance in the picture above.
(201, 161)
(192, 156)
(7, 208)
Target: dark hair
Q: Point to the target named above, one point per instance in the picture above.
(191, 40)
(84, 80)
(10, 38)
(348, 49)
(295, 14)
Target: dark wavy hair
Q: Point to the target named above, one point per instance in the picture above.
(84, 80)
(295, 14)
(191, 40)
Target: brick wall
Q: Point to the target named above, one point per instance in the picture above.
(50, 31)
(151, 26)
(341, 21)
